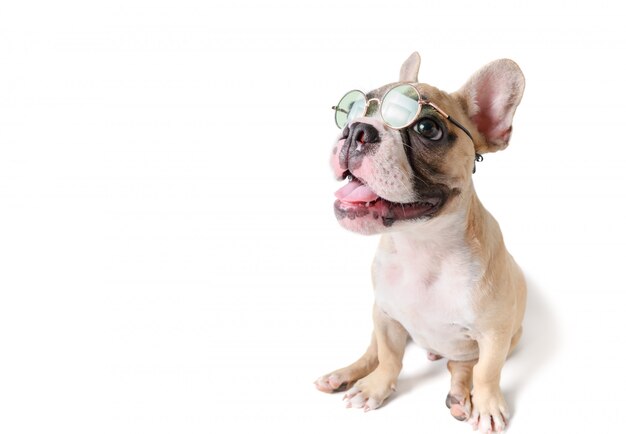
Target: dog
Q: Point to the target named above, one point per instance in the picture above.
(442, 275)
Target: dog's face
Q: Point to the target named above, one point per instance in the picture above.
(401, 176)
(396, 178)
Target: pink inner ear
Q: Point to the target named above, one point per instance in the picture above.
(482, 119)
(492, 129)
(495, 101)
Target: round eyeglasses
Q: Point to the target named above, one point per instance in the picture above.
(399, 107)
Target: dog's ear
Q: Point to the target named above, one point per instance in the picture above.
(410, 68)
(491, 96)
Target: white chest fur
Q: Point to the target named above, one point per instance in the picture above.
(424, 280)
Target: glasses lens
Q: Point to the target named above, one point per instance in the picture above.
(351, 106)
(400, 106)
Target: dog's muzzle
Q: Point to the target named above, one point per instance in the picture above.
(360, 139)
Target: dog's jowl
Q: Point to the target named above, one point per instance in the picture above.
(442, 276)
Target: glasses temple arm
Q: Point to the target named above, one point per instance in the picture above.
(451, 119)
(478, 157)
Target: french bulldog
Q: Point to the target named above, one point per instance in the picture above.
(442, 275)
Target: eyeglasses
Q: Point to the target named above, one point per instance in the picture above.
(399, 107)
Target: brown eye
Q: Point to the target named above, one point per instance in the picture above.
(429, 129)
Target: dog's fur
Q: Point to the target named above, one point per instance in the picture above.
(442, 275)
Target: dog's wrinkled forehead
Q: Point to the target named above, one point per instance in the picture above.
(380, 92)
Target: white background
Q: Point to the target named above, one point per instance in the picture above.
(169, 258)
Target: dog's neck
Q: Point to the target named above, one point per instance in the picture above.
(447, 231)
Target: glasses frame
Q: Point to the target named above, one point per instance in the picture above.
(421, 102)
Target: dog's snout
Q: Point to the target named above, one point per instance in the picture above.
(360, 139)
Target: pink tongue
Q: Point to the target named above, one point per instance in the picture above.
(355, 191)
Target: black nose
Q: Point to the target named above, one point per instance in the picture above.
(361, 139)
(363, 133)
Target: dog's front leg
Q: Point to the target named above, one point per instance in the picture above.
(489, 410)
(344, 378)
(371, 391)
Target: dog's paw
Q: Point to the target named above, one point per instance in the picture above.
(489, 410)
(460, 404)
(369, 393)
(334, 382)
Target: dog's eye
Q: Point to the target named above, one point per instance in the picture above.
(429, 129)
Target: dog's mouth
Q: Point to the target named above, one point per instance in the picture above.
(356, 200)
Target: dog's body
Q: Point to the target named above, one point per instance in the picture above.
(442, 275)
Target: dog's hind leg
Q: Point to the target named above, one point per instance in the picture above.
(458, 400)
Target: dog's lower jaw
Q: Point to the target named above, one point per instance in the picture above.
(380, 215)
(375, 217)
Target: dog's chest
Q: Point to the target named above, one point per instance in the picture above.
(427, 287)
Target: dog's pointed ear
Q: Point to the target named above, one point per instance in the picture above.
(491, 96)
(410, 68)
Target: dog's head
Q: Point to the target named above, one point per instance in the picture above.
(408, 149)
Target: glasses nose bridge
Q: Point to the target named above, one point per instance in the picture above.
(369, 111)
